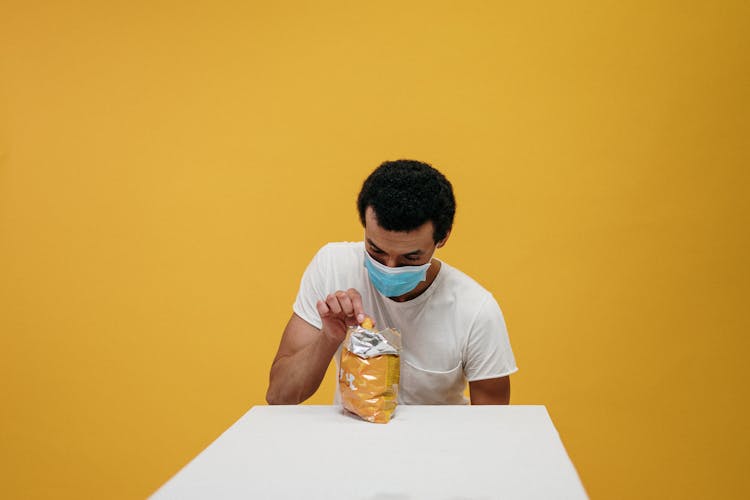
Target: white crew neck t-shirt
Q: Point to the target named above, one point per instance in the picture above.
(452, 333)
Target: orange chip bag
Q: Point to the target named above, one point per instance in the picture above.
(369, 372)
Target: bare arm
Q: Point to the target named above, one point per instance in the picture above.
(300, 364)
(305, 352)
(493, 391)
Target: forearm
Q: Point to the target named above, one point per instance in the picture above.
(495, 391)
(296, 377)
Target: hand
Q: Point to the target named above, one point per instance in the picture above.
(339, 311)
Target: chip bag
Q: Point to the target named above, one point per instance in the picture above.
(369, 372)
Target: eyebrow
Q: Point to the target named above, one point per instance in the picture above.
(414, 253)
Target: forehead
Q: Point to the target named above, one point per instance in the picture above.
(398, 241)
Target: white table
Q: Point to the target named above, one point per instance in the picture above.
(425, 452)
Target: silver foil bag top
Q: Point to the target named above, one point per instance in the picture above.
(369, 343)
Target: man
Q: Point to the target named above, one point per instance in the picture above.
(452, 329)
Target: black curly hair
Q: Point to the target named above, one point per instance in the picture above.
(407, 193)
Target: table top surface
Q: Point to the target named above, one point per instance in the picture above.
(435, 452)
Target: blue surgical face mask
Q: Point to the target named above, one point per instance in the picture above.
(394, 281)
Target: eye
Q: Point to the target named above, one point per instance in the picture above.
(412, 258)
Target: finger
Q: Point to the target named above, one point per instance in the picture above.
(333, 304)
(346, 304)
(356, 300)
(322, 308)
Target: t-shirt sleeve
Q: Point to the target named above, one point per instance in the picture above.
(488, 352)
(313, 287)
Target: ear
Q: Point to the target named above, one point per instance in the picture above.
(441, 243)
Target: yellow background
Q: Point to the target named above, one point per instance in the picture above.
(167, 170)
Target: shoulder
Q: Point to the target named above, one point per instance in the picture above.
(472, 303)
(338, 251)
(336, 266)
(339, 257)
(462, 285)
(342, 247)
